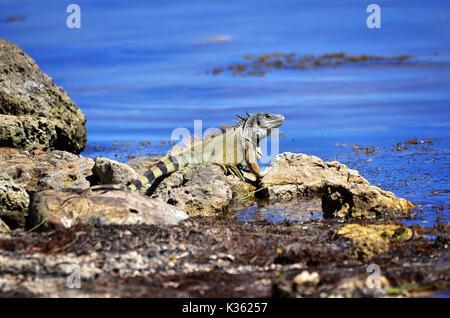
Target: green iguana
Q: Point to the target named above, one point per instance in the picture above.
(228, 150)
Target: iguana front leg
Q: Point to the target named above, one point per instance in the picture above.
(251, 157)
(255, 169)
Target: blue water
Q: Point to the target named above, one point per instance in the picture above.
(138, 69)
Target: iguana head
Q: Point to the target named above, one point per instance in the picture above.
(258, 126)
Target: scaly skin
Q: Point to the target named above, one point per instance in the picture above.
(228, 150)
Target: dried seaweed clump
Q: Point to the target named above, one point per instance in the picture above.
(260, 65)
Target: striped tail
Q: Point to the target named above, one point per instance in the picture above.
(163, 167)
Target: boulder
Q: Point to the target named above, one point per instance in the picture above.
(361, 286)
(307, 278)
(22, 173)
(373, 239)
(34, 112)
(67, 208)
(113, 172)
(26, 132)
(343, 192)
(12, 196)
(200, 191)
(14, 201)
(39, 170)
(142, 164)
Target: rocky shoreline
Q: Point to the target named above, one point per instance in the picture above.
(172, 245)
(221, 258)
(49, 186)
(175, 237)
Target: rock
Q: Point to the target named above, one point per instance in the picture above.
(303, 285)
(67, 208)
(113, 172)
(359, 286)
(200, 191)
(373, 239)
(307, 278)
(14, 200)
(22, 173)
(142, 164)
(242, 192)
(12, 196)
(39, 170)
(344, 193)
(346, 200)
(206, 191)
(34, 112)
(27, 132)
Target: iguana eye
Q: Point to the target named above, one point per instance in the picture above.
(267, 116)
